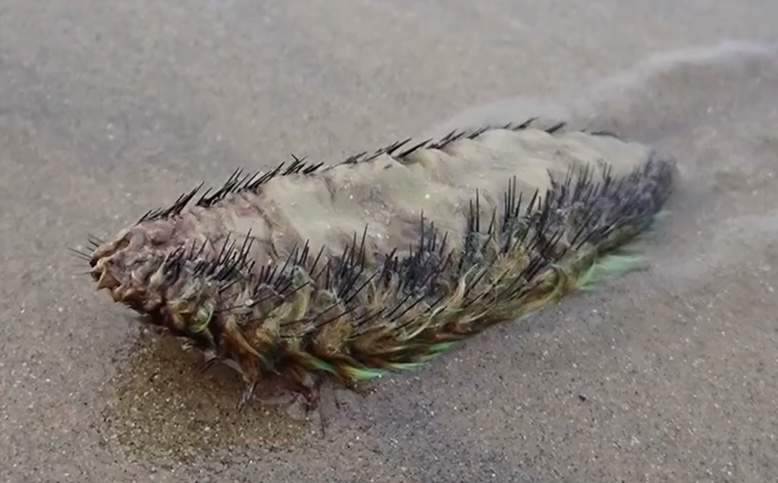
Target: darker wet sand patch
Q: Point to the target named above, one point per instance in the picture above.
(162, 407)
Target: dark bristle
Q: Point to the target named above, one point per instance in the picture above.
(295, 167)
(174, 209)
(443, 141)
(413, 148)
(390, 149)
(605, 133)
(394, 147)
(556, 127)
(354, 158)
(80, 254)
(94, 242)
(313, 168)
(478, 132)
(492, 222)
(525, 124)
(450, 138)
(234, 184)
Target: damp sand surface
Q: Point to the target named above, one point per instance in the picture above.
(111, 108)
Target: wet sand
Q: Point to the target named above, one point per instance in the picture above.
(667, 374)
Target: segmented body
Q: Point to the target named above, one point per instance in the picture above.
(379, 263)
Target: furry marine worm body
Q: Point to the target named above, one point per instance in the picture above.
(379, 263)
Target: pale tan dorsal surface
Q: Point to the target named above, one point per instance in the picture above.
(389, 195)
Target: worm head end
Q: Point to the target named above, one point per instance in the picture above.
(124, 265)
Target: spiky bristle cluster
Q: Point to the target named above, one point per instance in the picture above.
(312, 316)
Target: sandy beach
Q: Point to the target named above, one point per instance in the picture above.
(668, 374)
